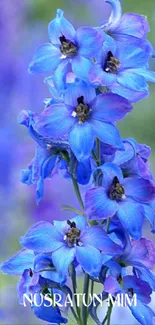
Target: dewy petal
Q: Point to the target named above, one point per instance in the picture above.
(42, 238)
(89, 41)
(81, 139)
(81, 67)
(98, 205)
(110, 107)
(108, 134)
(109, 171)
(24, 259)
(62, 258)
(131, 216)
(115, 16)
(76, 90)
(60, 26)
(130, 80)
(46, 59)
(90, 259)
(132, 24)
(132, 95)
(55, 121)
(144, 314)
(97, 237)
(140, 189)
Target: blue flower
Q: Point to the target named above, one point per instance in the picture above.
(84, 116)
(125, 197)
(131, 285)
(127, 27)
(70, 240)
(52, 155)
(124, 70)
(29, 265)
(67, 47)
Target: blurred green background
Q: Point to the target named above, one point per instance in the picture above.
(23, 28)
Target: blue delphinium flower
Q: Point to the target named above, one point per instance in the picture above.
(67, 47)
(51, 156)
(127, 27)
(84, 116)
(125, 197)
(28, 265)
(131, 285)
(123, 69)
(70, 240)
(133, 160)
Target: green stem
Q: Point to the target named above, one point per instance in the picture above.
(95, 158)
(109, 313)
(108, 225)
(73, 277)
(98, 150)
(77, 191)
(104, 320)
(86, 293)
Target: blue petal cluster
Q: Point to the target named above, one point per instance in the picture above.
(95, 74)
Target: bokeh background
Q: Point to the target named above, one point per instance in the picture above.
(23, 27)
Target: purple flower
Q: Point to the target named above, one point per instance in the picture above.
(125, 197)
(84, 116)
(70, 240)
(67, 47)
(126, 27)
(131, 285)
(124, 70)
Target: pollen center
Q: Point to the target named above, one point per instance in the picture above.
(72, 236)
(67, 48)
(111, 64)
(82, 110)
(116, 191)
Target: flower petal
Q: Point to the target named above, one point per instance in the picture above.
(90, 259)
(112, 286)
(89, 41)
(76, 90)
(55, 121)
(48, 314)
(81, 67)
(132, 95)
(115, 16)
(147, 74)
(62, 258)
(108, 134)
(24, 259)
(81, 139)
(140, 189)
(133, 24)
(42, 238)
(110, 107)
(132, 81)
(109, 171)
(144, 314)
(131, 216)
(99, 77)
(97, 237)
(98, 205)
(142, 250)
(133, 56)
(46, 59)
(60, 26)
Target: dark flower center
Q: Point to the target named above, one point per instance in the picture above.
(116, 191)
(82, 110)
(31, 273)
(131, 292)
(111, 64)
(67, 48)
(72, 236)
